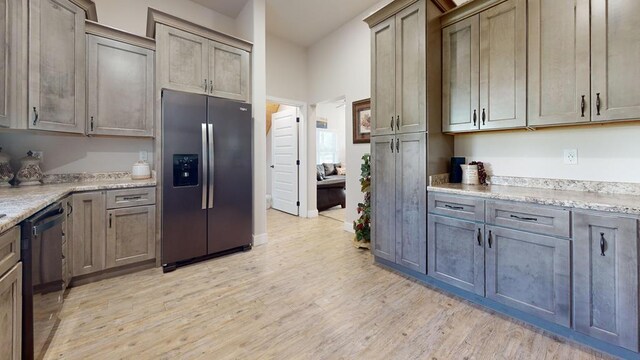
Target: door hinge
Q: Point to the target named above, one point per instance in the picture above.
(297, 203)
(297, 119)
(298, 162)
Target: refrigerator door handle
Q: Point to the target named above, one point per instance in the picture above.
(211, 165)
(205, 179)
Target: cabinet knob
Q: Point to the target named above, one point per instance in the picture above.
(475, 117)
(490, 239)
(479, 237)
(35, 115)
(598, 103)
(206, 86)
(583, 105)
(398, 123)
(484, 116)
(603, 244)
(392, 145)
(392, 122)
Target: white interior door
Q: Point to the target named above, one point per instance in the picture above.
(285, 156)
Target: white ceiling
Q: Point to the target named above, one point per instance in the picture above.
(231, 8)
(302, 22)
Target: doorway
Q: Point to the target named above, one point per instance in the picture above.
(285, 147)
(331, 159)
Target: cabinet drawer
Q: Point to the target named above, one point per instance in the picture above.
(457, 206)
(533, 218)
(9, 249)
(130, 197)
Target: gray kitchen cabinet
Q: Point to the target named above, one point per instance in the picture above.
(457, 252)
(120, 88)
(530, 273)
(615, 74)
(130, 235)
(229, 72)
(411, 201)
(559, 62)
(460, 75)
(383, 78)
(503, 66)
(183, 59)
(605, 283)
(9, 249)
(383, 197)
(399, 78)
(57, 63)
(89, 232)
(66, 240)
(11, 313)
(13, 75)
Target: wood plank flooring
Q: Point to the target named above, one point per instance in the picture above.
(308, 294)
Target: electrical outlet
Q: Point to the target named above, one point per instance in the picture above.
(143, 156)
(39, 154)
(571, 157)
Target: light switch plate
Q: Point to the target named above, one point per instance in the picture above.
(143, 156)
(571, 157)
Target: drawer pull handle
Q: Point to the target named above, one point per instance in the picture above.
(392, 122)
(603, 244)
(479, 237)
(454, 207)
(490, 239)
(128, 198)
(110, 220)
(524, 218)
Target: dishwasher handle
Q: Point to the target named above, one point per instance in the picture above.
(47, 223)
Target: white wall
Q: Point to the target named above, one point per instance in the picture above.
(605, 152)
(335, 114)
(287, 71)
(131, 15)
(340, 65)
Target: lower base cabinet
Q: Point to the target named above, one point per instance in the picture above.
(605, 278)
(11, 313)
(456, 253)
(131, 235)
(529, 272)
(88, 232)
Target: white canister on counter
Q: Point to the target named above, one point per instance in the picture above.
(6, 173)
(470, 175)
(30, 172)
(141, 170)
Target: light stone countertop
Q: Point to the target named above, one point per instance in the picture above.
(617, 203)
(19, 203)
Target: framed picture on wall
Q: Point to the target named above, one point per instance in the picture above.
(362, 121)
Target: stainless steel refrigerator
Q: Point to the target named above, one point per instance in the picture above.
(207, 177)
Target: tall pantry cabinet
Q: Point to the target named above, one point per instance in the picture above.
(407, 143)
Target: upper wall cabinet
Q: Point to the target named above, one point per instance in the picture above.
(559, 89)
(13, 32)
(195, 59)
(57, 66)
(615, 50)
(484, 70)
(398, 101)
(120, 84)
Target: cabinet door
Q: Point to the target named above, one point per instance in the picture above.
(120, 88)
(131, 235)
(411, 201)
(11, 313)
(13, 75)
(529, 272)
(460, 77)
(456, 253)
(605, 278)
(57, 65)
(411, 69)
(183, 59)
(383, 197)
(615, 48)
(503, 66)
(66, 240)
(89, 231)
(383, 78)
(559, 62)
(229, 72)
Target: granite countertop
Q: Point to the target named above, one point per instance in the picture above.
(19, 203)
(618, 203)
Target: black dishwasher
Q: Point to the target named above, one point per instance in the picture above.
(42, 282)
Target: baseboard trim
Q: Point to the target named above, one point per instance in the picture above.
(348, 227)
(312, 214)
(260, 239)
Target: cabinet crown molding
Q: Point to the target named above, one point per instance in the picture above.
(468, 9)
(155, 16)
(396, 6)
(89, 8)
(94, 28)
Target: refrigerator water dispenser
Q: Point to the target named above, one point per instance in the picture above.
(185, 170)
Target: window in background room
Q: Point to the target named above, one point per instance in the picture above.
(327, 147)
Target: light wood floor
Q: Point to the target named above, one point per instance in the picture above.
(336, 213)
(308, 294)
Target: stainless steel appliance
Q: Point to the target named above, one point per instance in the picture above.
(42, 281)
(207, 177)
